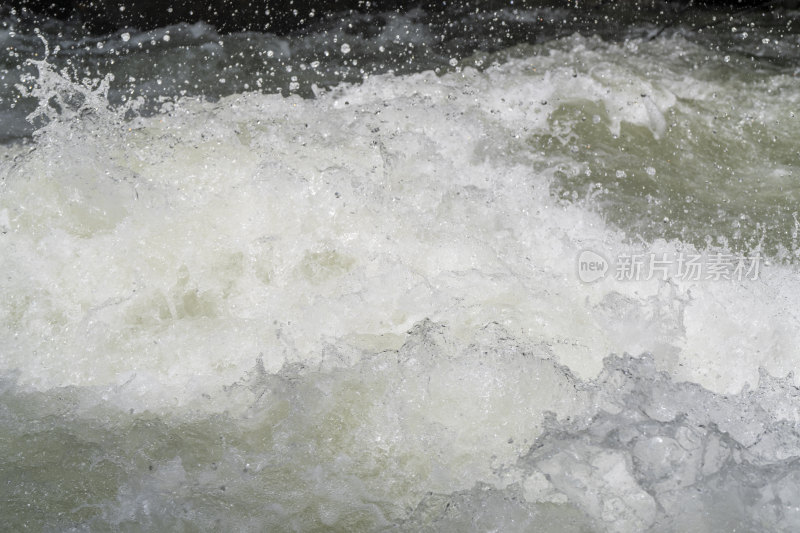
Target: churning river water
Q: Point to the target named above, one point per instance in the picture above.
(512, 271)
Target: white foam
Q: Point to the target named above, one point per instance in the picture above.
(170, 252)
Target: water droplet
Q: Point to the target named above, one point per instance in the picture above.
(126, 37)
(345, 48)
(453, 61)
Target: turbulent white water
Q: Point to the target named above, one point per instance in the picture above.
(364, 311)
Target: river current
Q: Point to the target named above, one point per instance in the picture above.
(520, 270)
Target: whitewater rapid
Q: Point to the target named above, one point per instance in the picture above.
(364, 311)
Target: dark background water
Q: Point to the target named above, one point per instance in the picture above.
(281, 17)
